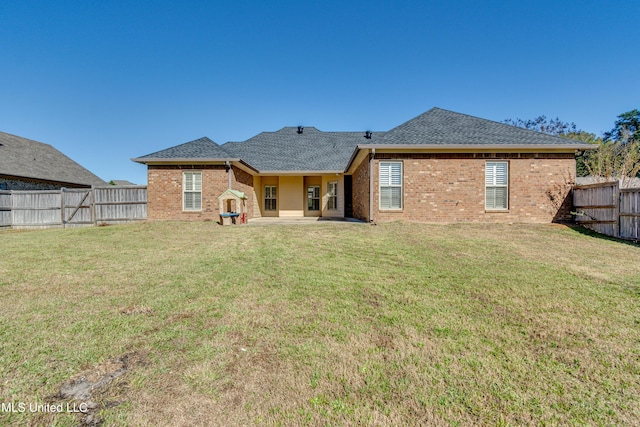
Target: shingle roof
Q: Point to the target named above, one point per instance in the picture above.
(202, 148)
(442, 127)
(288, 150)
(27, 158)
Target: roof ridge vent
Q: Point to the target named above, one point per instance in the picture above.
(300, 129)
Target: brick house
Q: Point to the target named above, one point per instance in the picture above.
(26, 164)
(440, 166)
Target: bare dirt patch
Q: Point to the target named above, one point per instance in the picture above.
(93, 389)
(132, 310)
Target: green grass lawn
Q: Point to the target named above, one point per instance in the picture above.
(327, 324)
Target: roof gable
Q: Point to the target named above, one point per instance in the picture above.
(22, 157)
(443, 127)
(201, 148)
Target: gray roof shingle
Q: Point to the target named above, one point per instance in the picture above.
(22, 157)
(287, 150)
(201, 148)
(443, 127)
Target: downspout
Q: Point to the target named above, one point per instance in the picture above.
(228, 173)
(371, 156)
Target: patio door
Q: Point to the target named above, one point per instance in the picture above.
(313, 199)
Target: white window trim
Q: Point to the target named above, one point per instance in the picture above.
(391, 185)
(332, 196)
(195, 190)
(494, 184)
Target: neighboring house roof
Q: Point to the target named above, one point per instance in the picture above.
(288, 150)
(26, 158)
(120, 182)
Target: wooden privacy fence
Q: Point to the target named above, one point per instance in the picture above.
(73, 207)
(608, 209)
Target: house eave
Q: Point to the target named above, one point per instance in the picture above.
(301, 172)
(506, 148)
(192, 161)
(353, 158)
(181, 160)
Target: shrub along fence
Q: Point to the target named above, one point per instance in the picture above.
(608, 209)
(73, 207)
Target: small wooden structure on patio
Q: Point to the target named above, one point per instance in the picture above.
(233, 204)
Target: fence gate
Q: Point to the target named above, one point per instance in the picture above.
(77, 209)
(72, 207)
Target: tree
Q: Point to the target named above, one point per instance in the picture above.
(614, 160)
(542, 124)
(618, 154)
(557, 127)
(626, 128)
(583, 155)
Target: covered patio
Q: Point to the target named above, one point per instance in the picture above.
(301, 221)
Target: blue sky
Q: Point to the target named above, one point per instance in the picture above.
(107, 81)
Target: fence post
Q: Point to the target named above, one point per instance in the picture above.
(92, 202)
(62, 208)
(9, 209)
(616, 211)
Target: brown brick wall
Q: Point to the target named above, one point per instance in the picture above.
(436, 188)
(360, 191)
(165, 191)
(243, 181)
(450, 188)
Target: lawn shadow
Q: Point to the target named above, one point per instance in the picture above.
(587, 232)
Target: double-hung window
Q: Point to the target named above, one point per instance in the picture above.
(270, 197)
(390, 185)
(332, 195)
(496, 181)
(192, 191)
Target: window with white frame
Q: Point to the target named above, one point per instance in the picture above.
(192, 191)
(270, 198)
(332, 195)
(496, 181)
(390, 185)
